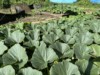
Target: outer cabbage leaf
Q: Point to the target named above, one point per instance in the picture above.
(96, 50)
(3, 48)
(97, 38)
(29, 71)
(50, 38)
(16, 55)
(87, 67)
(97, 61)
(62, 49)
(68, 39)
(70, 35)
(31, 43)
(85, 37)
(58, 32)
(15, 37)
(19, 25)
(35, 34)
(42, 56)
(64, 68)
(71, 31)
(95, 26)
(7, 70)
(45, 29)
(82, 51)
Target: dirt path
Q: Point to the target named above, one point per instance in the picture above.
(37, 18)
(43, 17)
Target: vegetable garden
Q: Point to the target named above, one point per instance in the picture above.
(64, 46)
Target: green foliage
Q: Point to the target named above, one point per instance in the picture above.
(29, 71)
(64, 68)
(7, 70)
(58, 47)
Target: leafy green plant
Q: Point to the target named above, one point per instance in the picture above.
(58, 47)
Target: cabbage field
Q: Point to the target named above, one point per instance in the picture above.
(68, 45)
(58, 47)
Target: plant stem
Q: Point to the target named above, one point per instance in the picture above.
(48, 71)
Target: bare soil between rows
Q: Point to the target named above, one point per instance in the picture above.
(38, 18)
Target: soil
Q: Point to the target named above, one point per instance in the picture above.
(38, 18)
(43, 17)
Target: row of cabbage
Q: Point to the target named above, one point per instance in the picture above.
(59, 47)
